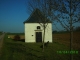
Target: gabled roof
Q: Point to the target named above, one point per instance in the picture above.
(37, 17)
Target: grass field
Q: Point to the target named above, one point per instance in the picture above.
(62, 38)
(16, 50)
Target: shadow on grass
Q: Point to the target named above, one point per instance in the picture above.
(25, 50)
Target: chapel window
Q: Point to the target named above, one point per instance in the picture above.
(38, 27)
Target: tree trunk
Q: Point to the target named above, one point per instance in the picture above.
(71, 31)
(71, 39)
(43, 36)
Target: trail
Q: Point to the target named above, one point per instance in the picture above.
(1, 41)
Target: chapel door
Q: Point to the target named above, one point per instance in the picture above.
(38, 36)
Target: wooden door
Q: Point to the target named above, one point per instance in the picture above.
(38, 36)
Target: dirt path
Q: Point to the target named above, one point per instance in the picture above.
(1, 41)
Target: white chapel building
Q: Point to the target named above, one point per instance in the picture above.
(34, 30)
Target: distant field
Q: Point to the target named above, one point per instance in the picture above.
(65, 39)
(21, 36)
(11, 35)
(15, 33)
(16, 50)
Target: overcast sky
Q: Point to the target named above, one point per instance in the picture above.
(12, 15)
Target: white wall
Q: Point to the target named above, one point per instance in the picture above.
(30, 30)
(48, 33)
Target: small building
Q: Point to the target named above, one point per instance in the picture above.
(34, 28)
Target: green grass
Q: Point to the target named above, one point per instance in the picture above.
(31, 51)
(0, 33)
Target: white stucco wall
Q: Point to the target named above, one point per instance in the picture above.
(30, 30)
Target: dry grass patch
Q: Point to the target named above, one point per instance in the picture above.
(12, 36)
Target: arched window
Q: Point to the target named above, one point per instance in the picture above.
(38, 27)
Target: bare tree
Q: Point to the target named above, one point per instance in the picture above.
(68, 13)
(44, 7)
(65, 12)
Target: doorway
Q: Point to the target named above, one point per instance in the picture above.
(38, 36)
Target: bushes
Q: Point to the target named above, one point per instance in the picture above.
(16, 37)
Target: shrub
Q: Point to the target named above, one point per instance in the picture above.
(16, 37)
